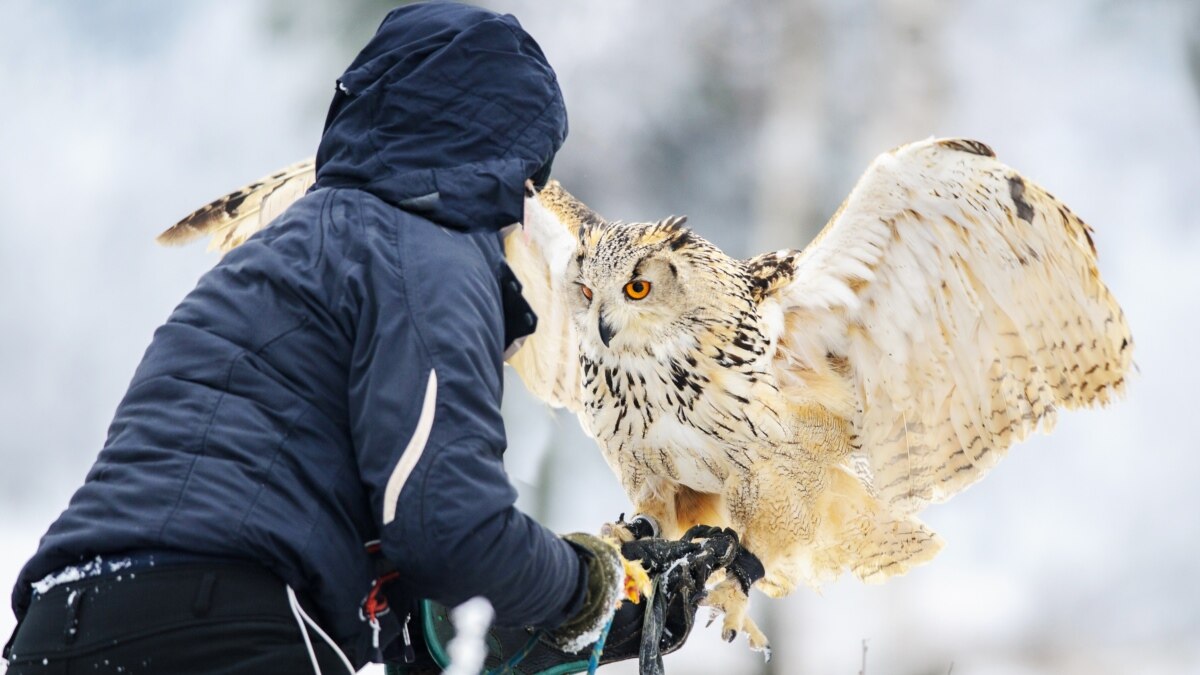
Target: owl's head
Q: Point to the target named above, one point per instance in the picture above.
(632, 289)
(645, 288)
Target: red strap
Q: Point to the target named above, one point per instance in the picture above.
(376, 603)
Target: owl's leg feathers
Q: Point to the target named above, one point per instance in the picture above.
(653, 500)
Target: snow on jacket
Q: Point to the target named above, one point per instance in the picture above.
(337, 378)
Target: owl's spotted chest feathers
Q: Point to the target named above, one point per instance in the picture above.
(690, 418)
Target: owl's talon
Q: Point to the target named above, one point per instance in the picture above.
(712, 616)
(758, 641)
(728, 597)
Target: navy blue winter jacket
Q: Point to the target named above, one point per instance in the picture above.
(337, 378)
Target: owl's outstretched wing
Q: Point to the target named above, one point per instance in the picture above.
(231, 219)
(539, 253)
(957, 305)
(548, 360)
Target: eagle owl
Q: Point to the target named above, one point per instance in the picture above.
(813, 400)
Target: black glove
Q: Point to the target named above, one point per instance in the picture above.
(680, 570)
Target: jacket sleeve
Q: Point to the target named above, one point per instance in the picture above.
(424, 401)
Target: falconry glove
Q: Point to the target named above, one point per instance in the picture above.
(680, 570)
(605, 588)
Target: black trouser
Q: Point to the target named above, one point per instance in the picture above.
(190, 618)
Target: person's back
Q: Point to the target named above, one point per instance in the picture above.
(337, 378)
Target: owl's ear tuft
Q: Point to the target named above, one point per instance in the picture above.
(678, 236)
(672, 222)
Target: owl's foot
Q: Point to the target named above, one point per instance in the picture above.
(729, 599)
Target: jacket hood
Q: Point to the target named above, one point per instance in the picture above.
(446, 113)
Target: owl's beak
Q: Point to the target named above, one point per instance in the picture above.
(606, 331)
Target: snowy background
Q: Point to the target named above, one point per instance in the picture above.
(1078, 554)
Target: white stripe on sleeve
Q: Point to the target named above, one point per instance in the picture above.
(412, 453)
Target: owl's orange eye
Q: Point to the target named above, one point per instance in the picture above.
(637, 289)
(587, 292)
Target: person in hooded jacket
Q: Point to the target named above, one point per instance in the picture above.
(332, 382)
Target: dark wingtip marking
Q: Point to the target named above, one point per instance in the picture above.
(968, 145)
(205, 218)
(1087, 233)
(179, 233)
(195, 223)
(1016, 189)
(220, 211)
(233, 201)
(768, 272)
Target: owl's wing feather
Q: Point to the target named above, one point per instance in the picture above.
(958, 305)
(547, 361)
(539, 253)
(232, 219)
